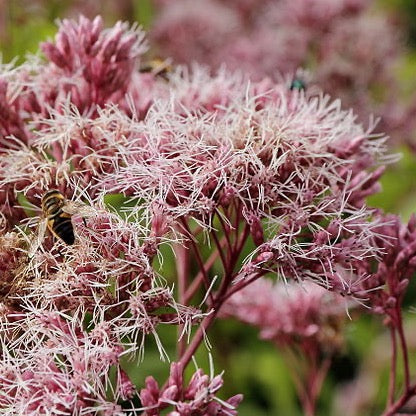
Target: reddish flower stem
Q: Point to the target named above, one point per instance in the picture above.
(226, 229)
(393, 366)
(224, 261)
(220, 296)
(237, 215)
(197, 253)
(396, 406)
(197, 339)
(205, 324)
(393, 407)
(239, 244)
(317, 381)
(300, 387)
(403, 345)
(243, 283)
(196, 283)
(182, 269)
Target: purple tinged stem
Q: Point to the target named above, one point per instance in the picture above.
(393, 366)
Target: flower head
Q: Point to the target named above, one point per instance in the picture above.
(272, 38)
(291, 315)
(91, 64)
(64, 371)
(198, 398)
(291, 164)
(388, 278)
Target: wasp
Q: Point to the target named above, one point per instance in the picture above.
(57, 218)
(55, 210)
(157, 67)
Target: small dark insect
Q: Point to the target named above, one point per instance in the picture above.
(59, 221)
(298, 84)
(157, 67)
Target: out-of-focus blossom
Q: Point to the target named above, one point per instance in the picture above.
(259, 52)
(304, 320)
(339, 41)
(389, 277)
(195, 35)
(317, 15)
(291, 315)
(355, 65)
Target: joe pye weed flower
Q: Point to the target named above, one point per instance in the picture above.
(338, 40)
(234, 180)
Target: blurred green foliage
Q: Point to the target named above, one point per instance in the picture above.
(406, 9)
(398, 193)
(24, 24)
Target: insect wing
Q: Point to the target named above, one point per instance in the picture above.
(73, 208)
(38, 237)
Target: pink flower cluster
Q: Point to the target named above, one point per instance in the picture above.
(198, 398)
(338, 40)
(53, 366)
(291, 315)
(394, 269)
(88, 63)
(305, 322)
(212, 145)
(208, 164)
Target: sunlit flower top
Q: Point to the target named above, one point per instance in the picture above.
(296, 166)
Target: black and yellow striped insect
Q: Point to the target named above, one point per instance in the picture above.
(158, 67)
(57, 217)
(55, 209)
